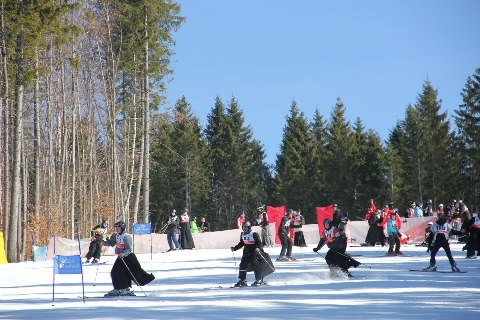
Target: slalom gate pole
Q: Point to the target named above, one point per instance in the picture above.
(133, 276)
(80, 256)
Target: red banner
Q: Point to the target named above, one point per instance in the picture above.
(322, 214)
(275, 214)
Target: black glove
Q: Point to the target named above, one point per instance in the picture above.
(315, 249)
(232, 248)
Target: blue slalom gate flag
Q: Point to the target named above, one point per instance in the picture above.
(142, 228)
(67, 264)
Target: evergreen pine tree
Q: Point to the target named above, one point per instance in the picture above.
(316, 173)
(368, 169)
(291, 187)
(182, 171)
(467, 120)
(339, 151)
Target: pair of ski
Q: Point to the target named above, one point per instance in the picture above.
(110, 296)
(438, 271)
(247, 286)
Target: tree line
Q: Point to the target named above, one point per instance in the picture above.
(82, 137)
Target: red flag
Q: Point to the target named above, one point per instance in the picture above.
(322, 214)
(275, 214)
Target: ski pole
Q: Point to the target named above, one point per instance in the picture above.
(234, 260)
(382, 249)
(96, 272)
(273, 269)
(133, 276)
(351, 258)
(321, 256)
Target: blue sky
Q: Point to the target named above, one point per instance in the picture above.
(375, 55)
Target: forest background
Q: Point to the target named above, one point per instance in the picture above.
(82, 136)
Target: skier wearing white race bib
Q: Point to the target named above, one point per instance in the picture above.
(437, 239)
(251, 243)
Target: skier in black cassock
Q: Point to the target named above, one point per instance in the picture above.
(253, 258)
(126, 267)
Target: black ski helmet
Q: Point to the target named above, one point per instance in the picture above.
(120, 224)
(247, 225)
(442, 218)
(327, 221)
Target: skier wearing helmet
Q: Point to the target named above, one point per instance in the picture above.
(126, 267)
(334, 237)
(252, 246)
(95, 248)
(437, 239)
(283, 234)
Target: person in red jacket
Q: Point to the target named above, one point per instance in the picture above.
(371, 210)
(240, 220)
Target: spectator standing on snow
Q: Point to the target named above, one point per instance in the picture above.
(418, 212)
(375, 232)
(262, 222)
(439, 210)
(298, 222)
(410, 212)
(471, 228)
(241, 219)
(171, 231)
(428, 210)
(186, 239)
(126, 267)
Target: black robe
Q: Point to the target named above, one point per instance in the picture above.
(375, 232)
(185, 238)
